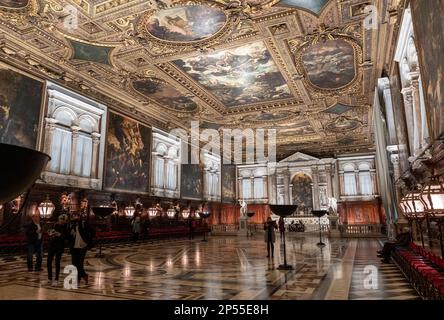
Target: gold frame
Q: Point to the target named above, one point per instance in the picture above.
(230, 24)
(296, 47)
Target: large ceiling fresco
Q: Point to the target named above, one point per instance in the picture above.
(238, 76)
(303, 67)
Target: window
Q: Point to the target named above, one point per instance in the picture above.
(246, 188)
(349, 180)
(258, 188)
(365, 180)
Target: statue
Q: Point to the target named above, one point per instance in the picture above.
(243, 208)
(332, 207)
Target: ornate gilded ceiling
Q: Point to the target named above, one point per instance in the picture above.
(303, 67)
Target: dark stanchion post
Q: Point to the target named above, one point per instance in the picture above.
(319, 214)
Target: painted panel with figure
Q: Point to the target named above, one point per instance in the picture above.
(186, 23)
(228, 183)
(127, 155)
(330, 64)
(302, 192)
(164, 94)
(20, 104)
(238, 76)
(191, 182)
(428, 25)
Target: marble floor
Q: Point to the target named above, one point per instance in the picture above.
(222, 268)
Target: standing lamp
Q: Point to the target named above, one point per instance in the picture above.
(319, 214)
(129, 211)
(283, 211)
(186, 213)
(102, 212)
(432, 196)
(152, 212)
(171, 213)
(46, 208)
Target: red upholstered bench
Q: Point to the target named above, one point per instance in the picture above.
(423, 269)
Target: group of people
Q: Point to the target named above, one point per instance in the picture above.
(74, 232)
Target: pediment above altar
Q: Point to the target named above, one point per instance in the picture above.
(299, 157)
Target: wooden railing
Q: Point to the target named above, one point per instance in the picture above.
(361, 231)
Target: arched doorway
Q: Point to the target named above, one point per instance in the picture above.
(302, 192)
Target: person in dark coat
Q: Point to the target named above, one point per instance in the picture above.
(269, 237)
(56, 246)
(34, 239)
(82, 235)
(402, 240)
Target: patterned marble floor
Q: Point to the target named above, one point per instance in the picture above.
(222, 268)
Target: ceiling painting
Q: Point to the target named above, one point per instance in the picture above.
(297, 66)
(164, 94)
(238, 76)
(314, 6)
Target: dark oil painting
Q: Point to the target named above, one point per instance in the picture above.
(302, 191)
(238, 76)
(191, 182)
(20, 102)
(428, 25)
(164, 94)
(127, 155)
(15, 4)
(330, 64)
(92, 53)
(228, 176)
(186, 23)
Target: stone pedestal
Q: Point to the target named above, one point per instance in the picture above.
(243, 226)
(334, 227)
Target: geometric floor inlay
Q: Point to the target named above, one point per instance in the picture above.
(225, 267)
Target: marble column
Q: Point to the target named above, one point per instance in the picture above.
(49, 134)
(75, 137)
(329, 182)
(95, 155)
(409, 117)
(240, 188)
(418, 138)
(265, 187)
(286, 176)
(315, 177)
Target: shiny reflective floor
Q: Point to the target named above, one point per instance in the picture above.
(222, 268)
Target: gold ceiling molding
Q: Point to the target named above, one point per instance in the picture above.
(347, 37)
(18, 9)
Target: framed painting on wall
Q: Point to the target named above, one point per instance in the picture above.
(127, 158)
(428, 25)
(228, 174)
(191, 182)
(21, 98)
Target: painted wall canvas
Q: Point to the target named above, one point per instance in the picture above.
(186, 23)
(191, 182)
(127, 155)
(20, 104)
(302, 191)
(14, 3)
(238, 76)
(314, 6)
(428, 25)
(164, 94)
(330, 64)
(92, 53)
(228, 176)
